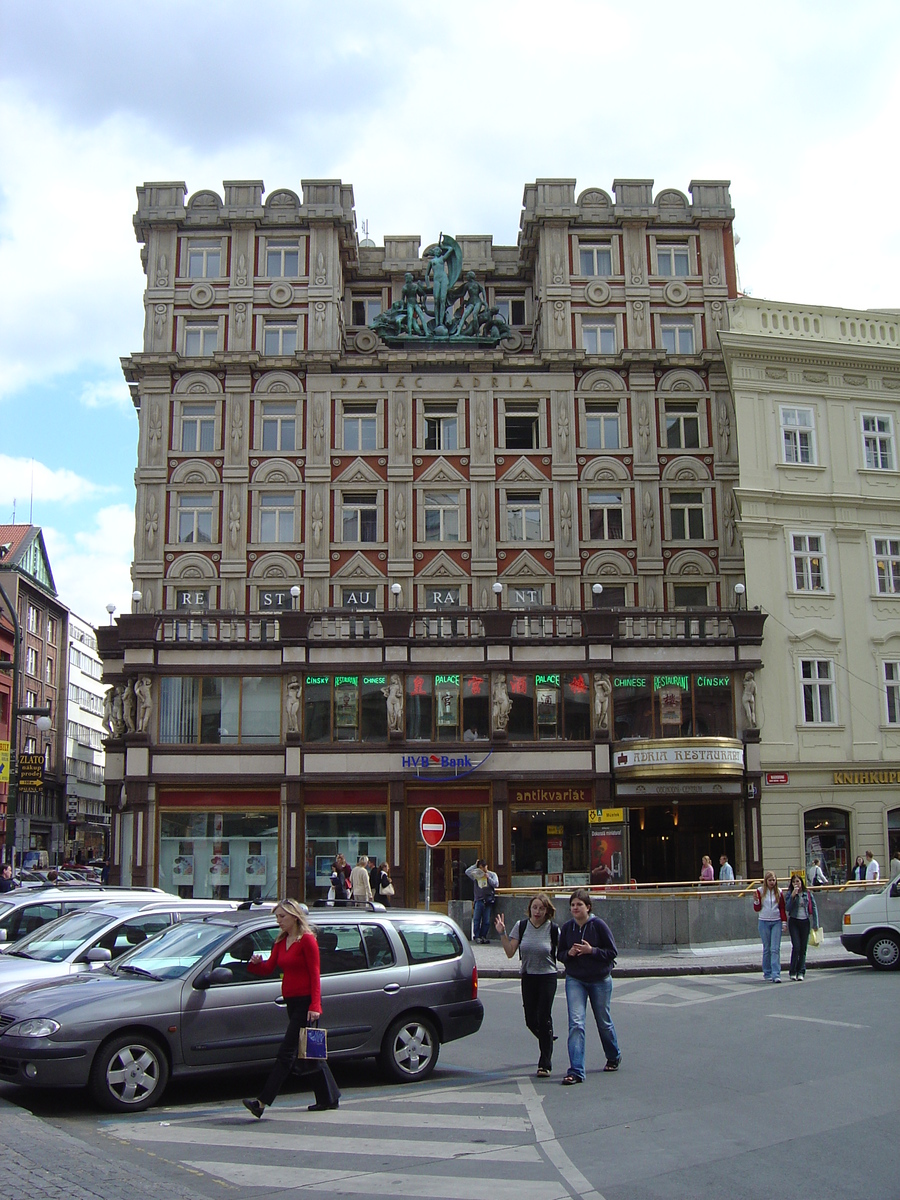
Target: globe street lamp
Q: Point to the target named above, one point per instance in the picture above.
(497, 589)
(396, 592)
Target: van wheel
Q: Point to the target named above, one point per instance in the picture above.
(129, 1074)
(410, 1049)
(883, 952)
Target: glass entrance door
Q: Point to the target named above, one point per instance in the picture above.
(461, 847)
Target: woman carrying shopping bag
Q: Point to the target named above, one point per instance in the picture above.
(803, 916)
(295, 955)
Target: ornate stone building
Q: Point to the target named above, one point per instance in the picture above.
(456, 528)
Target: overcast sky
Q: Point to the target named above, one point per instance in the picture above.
(438, 115)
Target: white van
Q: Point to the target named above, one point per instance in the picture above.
(872, 927)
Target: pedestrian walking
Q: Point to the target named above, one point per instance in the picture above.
(385, 885)
(536, 937)
(802, 915)
(707, 874)
(340, 880)
(295, 954)
(873, 871)
(360, 888)
(485, 883)
(588, 951)
(726, 874)
(768, 902)
(7, 883)
(859, 869)
(817, 877)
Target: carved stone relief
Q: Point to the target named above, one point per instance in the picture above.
(724, 427)
(162, 271)
(151, 524)
(400, 427)
(647, 518)
(317, 521)
(637, 268)
(484, 520)
(565, 518)
(234, 522)
(318, 426)
(481, 426)
(644, 427)
(154, 431)
(562, 429)
(400, 522)
(237, 429)
(501, 704)
(292, 704)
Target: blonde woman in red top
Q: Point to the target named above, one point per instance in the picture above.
(295, 955)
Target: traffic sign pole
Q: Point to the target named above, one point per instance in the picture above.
(432, 827)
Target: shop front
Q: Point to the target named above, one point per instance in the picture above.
(466, 811)
(560, 839)
(352, 821)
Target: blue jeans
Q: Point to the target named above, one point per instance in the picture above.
(770, 936)
(577, 995)
(481, 919)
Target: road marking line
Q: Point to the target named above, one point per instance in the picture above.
(818, 1021)
(376, 1117)
(388, 1183)
(548, 1143)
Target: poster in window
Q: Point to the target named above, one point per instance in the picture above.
(198, 825)
(547, 705)
(346, 708)
(183, 869)
(220, 868)
(218, 824)
(448, 708)
(255, 869)
(670, 705)
(607, 857)
(555, 856)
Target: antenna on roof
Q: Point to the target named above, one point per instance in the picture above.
(31, 505)
(367, 241)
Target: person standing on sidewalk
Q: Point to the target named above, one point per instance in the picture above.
(801, 909)
(726, 873)
(768, 902)
(486, 883)
(360, 888)
(537, 939)
(873, 871)
(587, 949)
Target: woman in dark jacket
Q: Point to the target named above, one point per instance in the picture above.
(802, 915)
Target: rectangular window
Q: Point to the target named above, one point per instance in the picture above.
(195, 517)
(441, 430)
(48, 676)
(278, 426)
(525, 597)
(677, 334)
(360, 428)
(798, 435)
(442, 597)
(686, 510)
(200, 341)
(31, 699)
(51, 630)
(359, 518)
(595, 260)
(682, 426)
(32, 619)
(31, 662)
(609, 597)
(276, 518)
(601, 426)
(690, 595)
(523, 516)
(673, 261)
(606, 516)
(280, 338)
(204, 260)
(198, 428)
(282, 260)
(364, 310)
(878, 442)
(521, 427)
(892, 691)
(442, 516)
(359, 599)
(511, 309)
(887, 565)
(817, 676)
(598, 337)
(808, 554)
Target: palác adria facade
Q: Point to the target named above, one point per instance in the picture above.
(447, 526)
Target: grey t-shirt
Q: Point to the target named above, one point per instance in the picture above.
(536, 950)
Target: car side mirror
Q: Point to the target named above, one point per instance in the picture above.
(97, 954)
(215, 976)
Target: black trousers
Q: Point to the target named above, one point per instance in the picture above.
(799, 931)
(538, 992)
(327, 1091)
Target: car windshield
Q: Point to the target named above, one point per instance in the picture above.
(57, 940)
(172, 954)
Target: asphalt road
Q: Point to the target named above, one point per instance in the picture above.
(729, 1086)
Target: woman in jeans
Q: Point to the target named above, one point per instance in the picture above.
(800, 906)
(536, 938)
(587, 949)
(769, 903)
(296, 955)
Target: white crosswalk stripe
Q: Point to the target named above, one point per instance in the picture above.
(409, 1144)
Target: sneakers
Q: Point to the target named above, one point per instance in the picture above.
(801, 978)
(254, 1106)
(792, 977)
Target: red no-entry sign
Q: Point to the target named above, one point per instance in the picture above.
(432, 827)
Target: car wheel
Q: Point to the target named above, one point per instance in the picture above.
(410, 1049)
(129, 1074)
(883, 952)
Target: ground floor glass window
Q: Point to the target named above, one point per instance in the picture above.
(827, 838)
(219, 855)
(349, 833)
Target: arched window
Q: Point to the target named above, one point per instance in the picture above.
(826, 836)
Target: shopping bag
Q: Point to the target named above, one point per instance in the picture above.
(313, 1043)
(816, 937)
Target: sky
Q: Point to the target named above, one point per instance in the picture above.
(438, 117)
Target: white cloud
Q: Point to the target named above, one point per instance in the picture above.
(93, 568)
(106, 393)
(23, 480)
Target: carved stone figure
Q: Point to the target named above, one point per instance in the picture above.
(602, 693)
(393, 694)
(474, 305)
(128, 707)
(142, 692)
(292, 705)
(108, 710)
(748, 699)
(501, 704)
(117, 718)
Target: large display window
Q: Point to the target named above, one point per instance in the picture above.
(351, 833)
(827, 837)
(550, 848)
(219, 855)
(212, 710)
(665, 706)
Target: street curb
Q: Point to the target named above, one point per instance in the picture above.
(650, 972)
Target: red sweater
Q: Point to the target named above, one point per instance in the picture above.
(299, 967)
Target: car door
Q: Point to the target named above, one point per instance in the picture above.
(123, 937)
(363, 980)
(238, 1021)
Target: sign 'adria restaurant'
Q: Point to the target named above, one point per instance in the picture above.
(672, 758)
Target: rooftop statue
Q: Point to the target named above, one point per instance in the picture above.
(442, 307)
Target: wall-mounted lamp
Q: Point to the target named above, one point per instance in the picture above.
(396, 592)
(497, 589)
(110, 608)
(597, 590)
(739, 591)
(136, 598)
(295, 596)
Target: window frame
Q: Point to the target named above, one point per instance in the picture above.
(367, 299)
(507, 306)
(804, 556)
(266, 504)
(281, 246)
(600, 325)
(357, 412)
(439, 414)
(891, 691)
(813, 687)
(595, 248)
(797, 433)
(288, 412)
(359, 501)
(448, 514)
(203, 246)
(204, 414)
(890, 556)
(683, 323)
(679, 413)
(601, 411)
(205, 329)
(687, 509)
(281, 326)
(514, 500)
(180, 508)
(525, 412)
(879, 438)
(605, 509)
(673, 247)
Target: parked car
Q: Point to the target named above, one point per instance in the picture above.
(872, 927)
(395, 986)
(83, 941)
(27, 909)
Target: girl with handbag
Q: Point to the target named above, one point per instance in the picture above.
(295, 954)
(385, 886)
(768, 901)
(803, 915)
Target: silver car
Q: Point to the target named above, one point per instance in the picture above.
(395, 985)
(26, 909)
